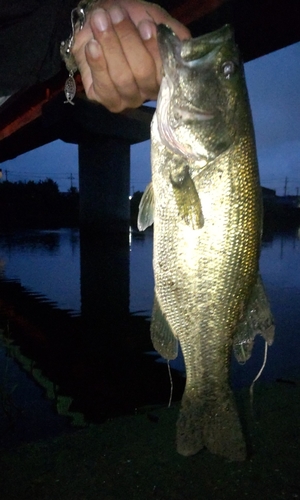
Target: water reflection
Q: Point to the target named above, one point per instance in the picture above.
(46, 262)
(94, 363)
(104, 271)
(98, 358)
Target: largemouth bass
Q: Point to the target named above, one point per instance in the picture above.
(205, 201)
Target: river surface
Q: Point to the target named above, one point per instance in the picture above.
(102, 283)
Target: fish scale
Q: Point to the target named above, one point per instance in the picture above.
(207, 212)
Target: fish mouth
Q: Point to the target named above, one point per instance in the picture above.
(192, 113)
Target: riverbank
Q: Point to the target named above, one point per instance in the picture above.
(134, 458)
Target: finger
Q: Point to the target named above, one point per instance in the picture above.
(98, 84)
(138, 57)
(147, 31)
(139, 11)
(93, 68)
(78, 50)
(117, 66)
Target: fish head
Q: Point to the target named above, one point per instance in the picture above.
(203, 104)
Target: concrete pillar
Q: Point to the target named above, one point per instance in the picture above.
(104, 177)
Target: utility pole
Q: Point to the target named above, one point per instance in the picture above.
(297, 191)
(6, 174)
(285, 186)
(71, 179)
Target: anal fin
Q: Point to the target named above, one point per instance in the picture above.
(257, 319)
(163, 339)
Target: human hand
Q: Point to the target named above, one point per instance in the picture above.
(117, 53)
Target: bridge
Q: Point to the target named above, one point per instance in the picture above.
(37, 116)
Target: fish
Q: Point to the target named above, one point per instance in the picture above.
(205, 202)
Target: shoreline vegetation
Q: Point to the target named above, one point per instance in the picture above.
(37, 204)
(41, 205)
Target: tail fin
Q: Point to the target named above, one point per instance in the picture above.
(212, 423)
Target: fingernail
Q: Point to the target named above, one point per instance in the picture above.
(145, 30)
(116, 15)
(100, 19)
(94, 49)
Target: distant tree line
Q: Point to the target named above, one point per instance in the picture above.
(37, 204)
(41, 205)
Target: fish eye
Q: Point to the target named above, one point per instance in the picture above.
(228, 68)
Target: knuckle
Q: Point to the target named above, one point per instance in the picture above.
(146, 78)
(116, 108)
(125, 82)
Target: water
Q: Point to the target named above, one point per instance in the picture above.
(94, 354)
(47, 262)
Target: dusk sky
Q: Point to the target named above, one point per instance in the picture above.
(274, 89)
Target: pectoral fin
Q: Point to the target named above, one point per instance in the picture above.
(162, 336)
(146, 209)
(187, 199)
(257, 319)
